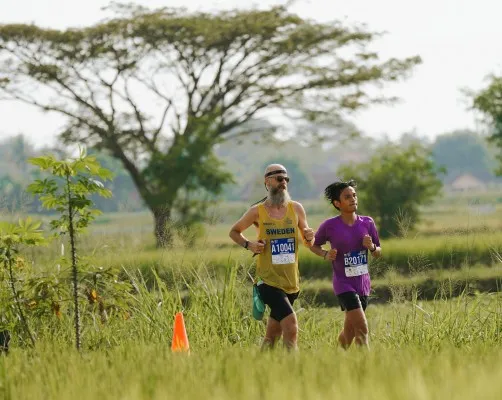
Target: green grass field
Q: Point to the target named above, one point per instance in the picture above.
(446, 347)
(419, 350)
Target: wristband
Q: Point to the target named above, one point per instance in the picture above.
(325, 254)
(246, 244)
(308, 243)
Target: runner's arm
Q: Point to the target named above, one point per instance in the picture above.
(303, 224)
(248, 219)
(376, 240)
(320, 240)
(318, 250)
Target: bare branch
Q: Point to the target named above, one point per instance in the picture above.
(161, 124)
(137, 113)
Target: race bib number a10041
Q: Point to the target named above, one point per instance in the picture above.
(356, 263)
(283, 250)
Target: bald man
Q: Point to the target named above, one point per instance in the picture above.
(279, 221)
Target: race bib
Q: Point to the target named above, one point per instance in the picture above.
(283, 250)
(356, 263)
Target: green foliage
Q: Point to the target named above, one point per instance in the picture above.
(224, 69)
(73, 181)
(488, 102)
(25, 232)
(67, 192)
(393, 184)
(12, 238)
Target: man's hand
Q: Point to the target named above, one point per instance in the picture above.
(367, 242)
(308, 234)
(331, 255)
(257, 247)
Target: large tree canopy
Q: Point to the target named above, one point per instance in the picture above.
(159, 88)
(489, 102)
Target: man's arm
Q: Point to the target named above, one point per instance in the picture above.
(325, 254)
(248, 219)
(372, 241)
(305, 230)
(320, 240)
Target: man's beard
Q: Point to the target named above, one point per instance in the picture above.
(278, 197)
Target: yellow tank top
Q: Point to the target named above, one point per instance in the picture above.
(277, 265)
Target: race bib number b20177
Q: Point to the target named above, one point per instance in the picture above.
(283, 250)
(356, 263)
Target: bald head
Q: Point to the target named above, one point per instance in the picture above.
(273, 169)
(276, 182)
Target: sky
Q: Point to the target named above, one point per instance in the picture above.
(457, 40)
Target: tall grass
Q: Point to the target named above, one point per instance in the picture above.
(152, 372)
(420, 350)
(445, 348)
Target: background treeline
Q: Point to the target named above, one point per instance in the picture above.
(311, 167)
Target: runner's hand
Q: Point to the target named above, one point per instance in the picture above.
(367, 242)
(331, 255)
(308, 234)
(257, 247)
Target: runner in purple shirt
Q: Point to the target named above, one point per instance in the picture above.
(352, 237)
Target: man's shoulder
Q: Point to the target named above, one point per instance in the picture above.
(329, 224)
(366, 218)
(297, 205)
(254, 208)
(330, 221)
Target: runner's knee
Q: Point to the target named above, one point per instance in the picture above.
(360, 328)
(289, 325)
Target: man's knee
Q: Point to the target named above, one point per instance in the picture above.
(360, 328)
(361, 332)
(356, 320)
(289, 325)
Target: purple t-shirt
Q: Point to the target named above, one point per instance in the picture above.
(350, 268)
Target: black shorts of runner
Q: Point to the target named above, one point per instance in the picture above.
(280, 302)
(351, 301)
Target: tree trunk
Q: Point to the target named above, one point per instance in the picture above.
(163, 229)
(4, 341)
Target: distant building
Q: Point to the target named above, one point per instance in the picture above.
(467, 182)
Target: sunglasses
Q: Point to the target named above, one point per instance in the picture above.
(282, 178)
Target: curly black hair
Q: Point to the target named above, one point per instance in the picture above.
(333, 191)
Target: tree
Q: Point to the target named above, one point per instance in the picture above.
(67, 191)
(462, 152)
(393, 184)
(489, 102)
(218, 71)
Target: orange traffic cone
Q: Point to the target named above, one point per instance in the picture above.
(180, 338)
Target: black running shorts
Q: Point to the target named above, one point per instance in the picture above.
(280, 302)
(351, 301)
